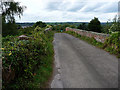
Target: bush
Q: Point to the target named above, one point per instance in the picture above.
(26, 31)
(9, 29)
(22, 57)
(113, 42)
(83, 26)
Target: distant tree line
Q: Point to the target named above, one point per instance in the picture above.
(94, 25)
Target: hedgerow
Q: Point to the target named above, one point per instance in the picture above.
(21, 58)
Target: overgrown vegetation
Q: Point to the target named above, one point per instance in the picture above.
(24, 60)
(44, 71)
(26, 31)
(111, 26)
(112, 44)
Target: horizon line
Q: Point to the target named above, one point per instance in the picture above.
(58, 22)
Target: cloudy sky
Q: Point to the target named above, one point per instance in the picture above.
(68, 10)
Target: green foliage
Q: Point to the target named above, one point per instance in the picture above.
(71, 26)
(82, 26)
(48, 26)
(38, 29)
(40, 24)
(9, 29)
(105, 28)
(112, 43)
(44, 72)
(94, 25)
(25, 31)
(9, 10)
(59, 27)
(113, 26)
(26, 56)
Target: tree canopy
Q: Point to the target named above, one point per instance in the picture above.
(9, 11)
(40, 24)
(94, 25)
(82, 26)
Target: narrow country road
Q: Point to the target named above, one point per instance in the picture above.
(81, 65)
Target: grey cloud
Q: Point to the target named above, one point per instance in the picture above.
(61, 6)
(111, 8)
(74, 11)
(76, 6)
(51, 6)
(87, 7)
(91, 8)
(101, 7)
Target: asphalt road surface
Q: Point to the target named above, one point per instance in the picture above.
(81, 65)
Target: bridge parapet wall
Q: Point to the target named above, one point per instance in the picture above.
(100, 37)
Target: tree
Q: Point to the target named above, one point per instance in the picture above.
(94, 25)
(63, 27)
(105, 28)
(72, 26)
(112, 26)
(40, 24)
(115, 27)
(9, 11)
(82, 26)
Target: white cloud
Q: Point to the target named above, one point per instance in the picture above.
(68, 10)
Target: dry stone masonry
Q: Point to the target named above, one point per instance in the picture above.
(100, 37)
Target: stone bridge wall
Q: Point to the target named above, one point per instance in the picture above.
(100, 37)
